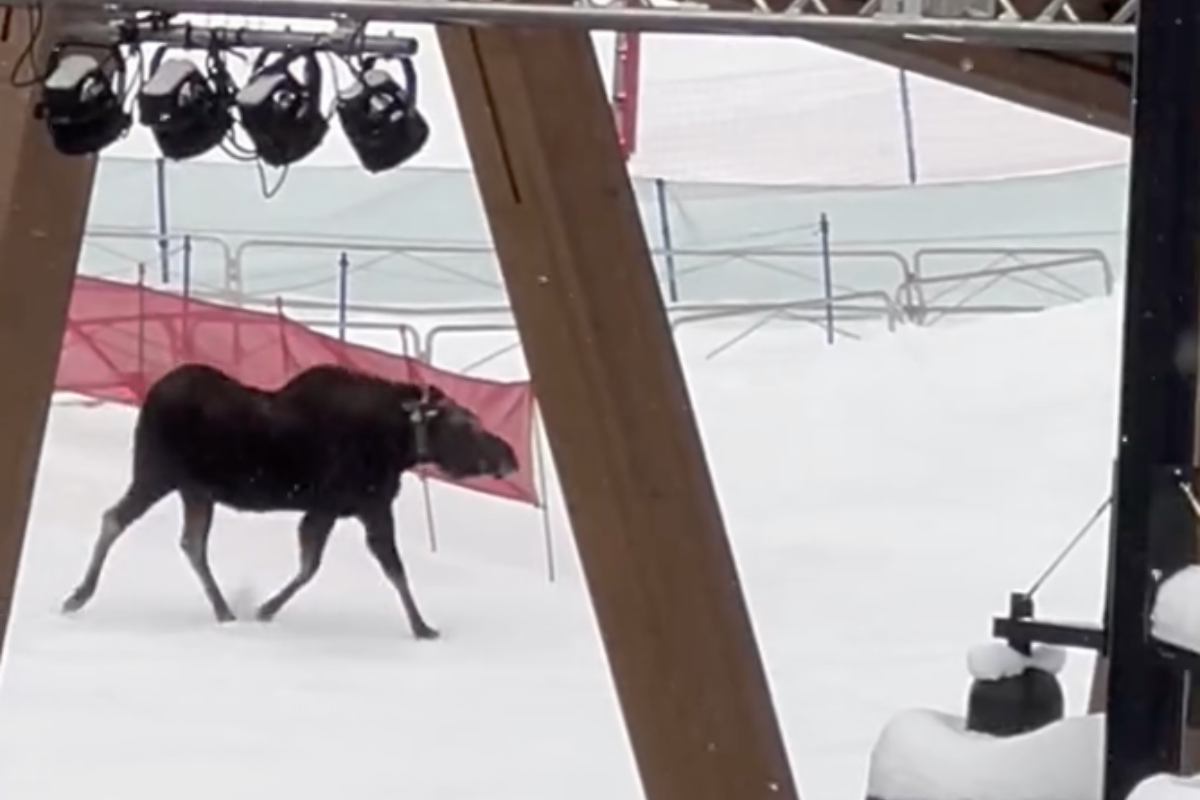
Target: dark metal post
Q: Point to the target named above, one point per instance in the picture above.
(187, 297)
(343, 293)
(187, 265)
(827, 278)
(664, 225)
(1158, 388)
(164, 228)
(906, 116)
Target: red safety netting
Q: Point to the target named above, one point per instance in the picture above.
(121, 338)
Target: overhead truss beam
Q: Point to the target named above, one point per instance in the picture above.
(341, 42)
(807, 19)
(1091, 88)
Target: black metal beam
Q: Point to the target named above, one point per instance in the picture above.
(1158, 389)
(1178, 658)
(1082, 636)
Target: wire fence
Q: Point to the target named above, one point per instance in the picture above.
(336, 285)
(1082, 208)
(833, 259)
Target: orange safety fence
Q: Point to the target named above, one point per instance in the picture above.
(120, 338)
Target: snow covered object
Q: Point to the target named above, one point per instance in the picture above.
(1175, 619)
(1167, 787)
(1013, 743)
(1011, 692)
(930, 755)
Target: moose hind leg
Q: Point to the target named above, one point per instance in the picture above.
(381, 540)
(197, 523)
(314, 535)
(137, 500)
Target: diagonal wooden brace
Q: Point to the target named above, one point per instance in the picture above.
(43, 208)
(611, 389)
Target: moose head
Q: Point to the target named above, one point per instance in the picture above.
(453, 438)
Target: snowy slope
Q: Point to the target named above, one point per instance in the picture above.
(883, 498)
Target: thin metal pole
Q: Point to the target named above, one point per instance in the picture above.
(1086, 36)
(142, 383)
(430, 523)
(160, 203)
(906, 116)
(187, 265)
(343, 293)
(827, 278)
(1144, 719)
(186, 333)
(540, 467)
(664, 226)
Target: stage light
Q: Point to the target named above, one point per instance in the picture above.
(188, 112)
(281, 113)
(83, 111)
(380, 117)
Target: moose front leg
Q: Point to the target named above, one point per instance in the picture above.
(380, 527)
(197, 524)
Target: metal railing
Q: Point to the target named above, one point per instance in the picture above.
(833, 289)
(133, 251)
(1035, 270)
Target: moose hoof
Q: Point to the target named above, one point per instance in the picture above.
(225, 615)
(73, 603)
(265, 614)
(426, 633)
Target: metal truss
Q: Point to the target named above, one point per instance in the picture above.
(1049, 12)
(994, 23)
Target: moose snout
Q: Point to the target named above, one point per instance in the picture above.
(501, 461)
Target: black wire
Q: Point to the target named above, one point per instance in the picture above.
(35, 15)
(1071, 545)
(314, 51)
(262, 180)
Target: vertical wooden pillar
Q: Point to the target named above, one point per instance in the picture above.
(43, 207)
(611, 390)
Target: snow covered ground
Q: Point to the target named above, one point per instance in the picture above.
(883, 496)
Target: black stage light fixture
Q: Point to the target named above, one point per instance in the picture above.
(82, 108)
(280, 112)
(188, 112)
(380, 118)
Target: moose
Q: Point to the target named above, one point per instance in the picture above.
(331, 443)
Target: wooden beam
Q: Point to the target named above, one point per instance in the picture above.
(1066, 85)
(43, 207)
(1070, 90)
(643, 509)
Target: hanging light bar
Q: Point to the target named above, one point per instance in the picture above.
(189, 109)
(80, 103)
(201, 37)
(1045, 35)
(380, 118)
(281, 111)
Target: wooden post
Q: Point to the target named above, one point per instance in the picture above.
(643, 509)
(43, 208)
